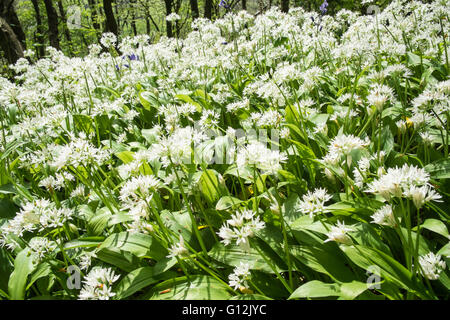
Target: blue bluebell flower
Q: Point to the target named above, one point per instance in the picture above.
(323, 7)
(224, 4)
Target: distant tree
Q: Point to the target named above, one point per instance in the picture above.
(168, 4)
(194, 8)
(12, 37)
(285, 5)
(62, 14)
(52, 19)
(111, 23)
(39, 36)
(208, 9)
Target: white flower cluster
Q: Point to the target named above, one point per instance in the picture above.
(257, 154)
(242, 225)
(39, 214)
(313, 203)
(98, 284)
(339, 234)
(432, 265)
(239, 277)
(408, 181)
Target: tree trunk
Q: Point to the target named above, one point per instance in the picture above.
(52, 19)
(39, 30)
(94, 16)
(62, 14)
(168, 4)
(111, 24)
(194, 9)
(8, 12)
(208, 9)
(244, 4)
(285, 6)
(9, 42)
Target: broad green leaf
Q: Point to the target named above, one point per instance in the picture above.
(141, 245)
(24, 265)
(227, 202)
(136, 280)
(316, 289)
(233, 255)
(436, 226)
(197, 287)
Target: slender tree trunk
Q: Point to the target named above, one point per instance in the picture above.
(168, 4)
(9, 42)
(62, 14)
(39, 30)
(111, 24)
(194, 9)
(285, 6)
(208, 9)
(94, 16)
(52, 19)
(8, 12)
(244, 4)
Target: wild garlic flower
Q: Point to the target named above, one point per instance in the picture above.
(379, 95)
(41, 247)
(98, 284)
(342, 145)
(339, 234)
(242, 225)
(408, 181)
(241, 274)
(384, 216)
(422, 195)
(38, 214)
(179, 249)
(431, 265)
(108, 39)
(173, 17)
(313, 203)
(257, 154)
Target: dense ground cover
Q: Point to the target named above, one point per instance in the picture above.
(280, 156)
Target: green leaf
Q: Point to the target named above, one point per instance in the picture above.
(141, 245)
(84, 242)
(199, 287)
(316, 289)
(227, 202)
(250, 297)
(319, 289)
(390, 269)
(121, 259)
(8, 208)
(23, 266)
(436, 226)
(138, 279)
(209, 186)
(439, 169)
(233, 255)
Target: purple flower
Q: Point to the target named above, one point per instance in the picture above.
(224, 4)
(323, 7)
(133, 57)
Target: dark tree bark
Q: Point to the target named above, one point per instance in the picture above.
(208, 9)
(62, 14)
(39, 36)
(133, 17)
(111, 23)
(8, 12)
(194, 9)
(244, 4)
(52, 19)
(168, 4)
(285, 6)
(9, 42)
(94, 16)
